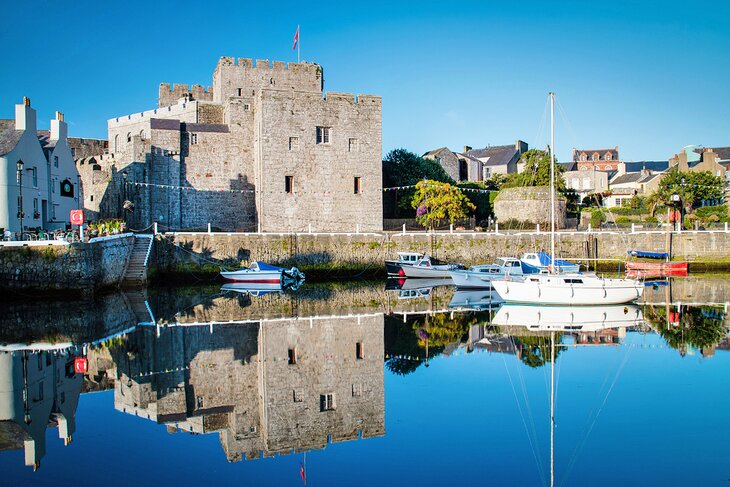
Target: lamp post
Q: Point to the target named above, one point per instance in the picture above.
(19, 167)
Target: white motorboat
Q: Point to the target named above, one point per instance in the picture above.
(569, 318)
(554, 288)
(568, 289)
(259, 273)
(475, 299)
(543, 261)
(425, 268)
(395, 267)
(480, 276)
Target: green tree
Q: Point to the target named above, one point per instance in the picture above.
(536, 172)
(435, 201)
(479, 199)
(404, 168)
(692, 188)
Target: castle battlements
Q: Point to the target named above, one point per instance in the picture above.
(265, 64)
(169, 111)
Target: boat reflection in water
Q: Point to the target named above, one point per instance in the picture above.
(475, 299)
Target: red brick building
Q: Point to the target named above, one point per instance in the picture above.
(598, 159)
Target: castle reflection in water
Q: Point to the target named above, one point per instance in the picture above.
(269, 375)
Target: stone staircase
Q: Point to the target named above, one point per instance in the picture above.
(137, 299)
(135, 275)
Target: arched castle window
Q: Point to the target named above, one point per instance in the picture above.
(129, 137)
(116, 143)
(142, 135)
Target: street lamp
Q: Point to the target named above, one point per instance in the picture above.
(19, 166)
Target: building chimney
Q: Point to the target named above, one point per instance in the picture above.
(59, 128)
(467, 148)
(25, 116)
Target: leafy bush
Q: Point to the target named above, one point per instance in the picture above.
(706, 213)
(597, 218)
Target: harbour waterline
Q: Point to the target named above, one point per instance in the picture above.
(427, 384)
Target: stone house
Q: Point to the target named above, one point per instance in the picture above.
(598, 159)
(50, 181)
(625, 186)
(586, 182)
(478, 164)
(716, 160)
(264, 148)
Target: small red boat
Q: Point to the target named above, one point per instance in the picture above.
(666, 268)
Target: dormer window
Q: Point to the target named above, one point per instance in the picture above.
(583, 157)
(608, 156)
(596, 157)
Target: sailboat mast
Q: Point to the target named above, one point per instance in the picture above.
(552, 180)
(552, 410)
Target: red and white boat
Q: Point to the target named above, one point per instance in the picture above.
(665, 268)
(262, 273)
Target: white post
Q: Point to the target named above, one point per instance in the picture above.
(538, 228)
(632, 228)
(310, 228)
(725, 227)
(81, 232)
(209, 228)
(589, 227)
(404, 229)
(496, 227)
(357, 228)
(451, 228)
(154, 228)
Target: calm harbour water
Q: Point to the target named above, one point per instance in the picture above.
(353, 384)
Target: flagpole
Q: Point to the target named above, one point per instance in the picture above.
(299, 45)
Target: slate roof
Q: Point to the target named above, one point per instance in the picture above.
(633, 177)
(498, 155)
(723, 153)
(434, 152)
(44, 137)
(656, 166)
(467, 156)
(568, 166)
(601, 153)
(9, 137)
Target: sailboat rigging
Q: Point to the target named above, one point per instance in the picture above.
(554, 288)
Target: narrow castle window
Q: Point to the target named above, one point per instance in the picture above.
(297, 395)
(193, 139)
(293, 143)
(357, 188)
(292, 354)
(323, 135)
(240, 90)
(246, 107)
(289, 184)
(129, 136)
(92, 198)
(356, 390)
(359, 354)
(116, 143)
(352, 145)
(327, 402)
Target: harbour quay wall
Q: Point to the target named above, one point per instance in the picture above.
(76, 268)
(341, 255)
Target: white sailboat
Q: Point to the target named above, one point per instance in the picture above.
(571, 289)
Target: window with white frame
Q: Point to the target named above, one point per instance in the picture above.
(327, 402)
(35, 177)
(323, 135)
(608, 156)
(596, 157)
(352, 145)
(293, 143)
(193, 139)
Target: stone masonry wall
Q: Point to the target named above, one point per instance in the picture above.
(323, 174)
(529, 205)
(358, 252)
(76, 267)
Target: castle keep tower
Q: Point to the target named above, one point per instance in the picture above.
(263, 149)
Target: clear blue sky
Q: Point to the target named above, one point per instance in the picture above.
(649, 77)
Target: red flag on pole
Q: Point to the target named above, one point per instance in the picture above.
(302, 473)
(296, 39)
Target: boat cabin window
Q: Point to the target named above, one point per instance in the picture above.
(573, 281)
(532, 279)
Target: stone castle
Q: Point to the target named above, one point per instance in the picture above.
(264, 148)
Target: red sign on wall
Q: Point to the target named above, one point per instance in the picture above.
(81, 365)
(77, 217)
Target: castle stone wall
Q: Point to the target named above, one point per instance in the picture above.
(530, 205)
(323, 174)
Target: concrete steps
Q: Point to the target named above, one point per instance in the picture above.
(135, 275)
(137, 299)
